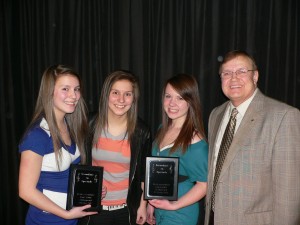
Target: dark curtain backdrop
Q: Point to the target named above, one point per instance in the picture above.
(154, 39)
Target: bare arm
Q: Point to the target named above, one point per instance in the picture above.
(142, 210)
(150, 214)
(30, 169)
(192, 196)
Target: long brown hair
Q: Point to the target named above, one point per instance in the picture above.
(187, 87)
(76, 121)
(102, 117)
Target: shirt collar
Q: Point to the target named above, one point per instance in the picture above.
(242, 108)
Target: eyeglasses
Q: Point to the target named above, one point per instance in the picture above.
(239, 73)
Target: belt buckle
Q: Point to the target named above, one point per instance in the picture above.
(114, 207)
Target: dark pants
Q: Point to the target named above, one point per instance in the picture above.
(105, 217)
(211, 218)
(201, 212)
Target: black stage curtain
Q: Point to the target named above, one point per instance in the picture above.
(154, 39)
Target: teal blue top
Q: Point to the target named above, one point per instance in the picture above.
(192, 164)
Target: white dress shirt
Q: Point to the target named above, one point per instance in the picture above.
(242, 108)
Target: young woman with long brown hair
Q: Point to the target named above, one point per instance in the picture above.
(53, 141)
(181, 135)
(121, 142)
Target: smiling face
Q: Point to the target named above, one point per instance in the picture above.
(239, 88)
(120, 98)
(66, 94)
(174, 105)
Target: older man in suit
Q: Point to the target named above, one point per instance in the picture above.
(254, 176)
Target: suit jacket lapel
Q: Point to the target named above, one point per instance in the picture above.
(214, 133)
(217, 125)
(244, 129)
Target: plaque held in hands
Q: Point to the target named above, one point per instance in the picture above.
(85, 187)
(161, 178)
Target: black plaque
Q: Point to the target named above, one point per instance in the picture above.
(161, 180)
(85, 187)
